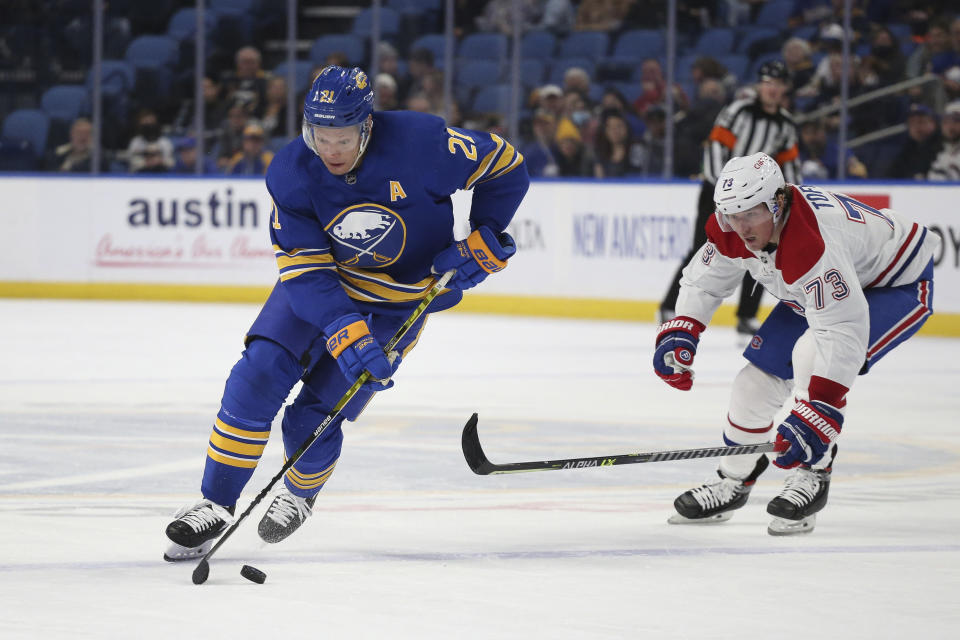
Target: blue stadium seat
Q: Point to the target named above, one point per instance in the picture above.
(248, 6)
(756, 40)
(301, 73)
(493, 99)
(16, 155)
(585, 44)
(684, 68)
(352, 46)
(29, 125)
(118, 77)
(808, 32)
(538, 44)
(389, 23)
(639, 44)
(483, 46)
(474, 74)
(532, 72)
(65, 102)
(183, 24)
(774, 13)
(436, 44)
(153, 51)
(737, 64)
(715, 42)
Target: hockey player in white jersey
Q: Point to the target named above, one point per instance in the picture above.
(853, 283)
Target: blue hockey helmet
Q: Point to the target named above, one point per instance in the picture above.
(338, 97)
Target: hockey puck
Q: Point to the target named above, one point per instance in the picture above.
(253, 574)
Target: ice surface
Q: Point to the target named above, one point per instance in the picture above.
(105, 411)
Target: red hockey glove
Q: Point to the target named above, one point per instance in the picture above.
(677, 342)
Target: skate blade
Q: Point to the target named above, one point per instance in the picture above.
(179, 553)
(714, 519)
(784, 527)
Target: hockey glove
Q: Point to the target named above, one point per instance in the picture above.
(808, 432)
(482, 253)
(677, 342)
(356, 350)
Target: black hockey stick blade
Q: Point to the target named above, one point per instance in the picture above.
(201, 572)
(479, 463)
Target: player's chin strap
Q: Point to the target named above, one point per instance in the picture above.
(365, 130)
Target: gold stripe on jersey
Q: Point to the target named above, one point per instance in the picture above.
(518, 158)
(232, 461)
(284, 261)
(230, 445)
(486, 162)
(241, 433)
(300, 261)
(308, 481)
(371, 286)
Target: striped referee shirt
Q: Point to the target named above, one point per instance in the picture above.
(744, 128)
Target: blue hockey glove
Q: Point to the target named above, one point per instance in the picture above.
(482, 253)
(809, 431)
(677, 341)
(356, 350)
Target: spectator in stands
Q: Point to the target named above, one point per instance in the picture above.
(385, 92)
(654, 140)
(148, 141)
(538, 154)
(935, 42)
(920, 147)
(946, 166)
(465, 14)
(612, 98)
(617, 152)
(214, 110)
(230, 141)
(431, 85)
(943, 61)
(150, 158)
(576, 111)
(274, 120)
(694, 128)
(653, 87)
(602, 15)
(572, 158)
(549, 97)
(557, 16)
(419, 64)
(418, 102)
(76, 155)
(709, 68)
(577, 79)
(253, 158)
(389, 60)
(247, 82)
(818, 154)
(886, 60)
(498, 15)
(186, 160)
(797, 54)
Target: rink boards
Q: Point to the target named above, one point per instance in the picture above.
(586, 249)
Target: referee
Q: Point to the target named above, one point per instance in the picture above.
(744, 127)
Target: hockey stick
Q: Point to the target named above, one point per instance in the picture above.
(202, 570)
(479, 463)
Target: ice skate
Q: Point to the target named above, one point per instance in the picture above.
(194, 530)
(285, 515)
(795, 510)
(715, 501)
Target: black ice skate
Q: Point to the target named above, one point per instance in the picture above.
(715, 501)
(285, 515)
(194, 530)
(795, 510)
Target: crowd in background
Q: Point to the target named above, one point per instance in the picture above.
(583, 125)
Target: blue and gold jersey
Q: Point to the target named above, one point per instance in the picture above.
(367, 244)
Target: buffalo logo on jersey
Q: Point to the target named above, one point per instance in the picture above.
(367, 235)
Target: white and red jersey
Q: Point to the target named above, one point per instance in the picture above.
(830, 250)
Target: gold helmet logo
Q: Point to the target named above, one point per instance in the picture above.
(361, 80)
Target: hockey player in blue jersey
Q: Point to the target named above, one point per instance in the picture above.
(362, 222)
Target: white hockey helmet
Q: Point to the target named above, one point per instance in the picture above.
(745, 182)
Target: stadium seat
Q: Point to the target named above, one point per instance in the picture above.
(495, 98)
(474, 74)
(436, 44)
(65, 102)
(538, 44)
(715, 42)
(759, 40)
(183, 24)
(301, 73)
(585, 44)
(774, 13)
(684, 68)
(738, 65)
(153, 51)
(483, 46)
(27, 125)
(639, 44)
(389, 24)
(16, 155)
(118, 78)
(532, 72)
(352, 46)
